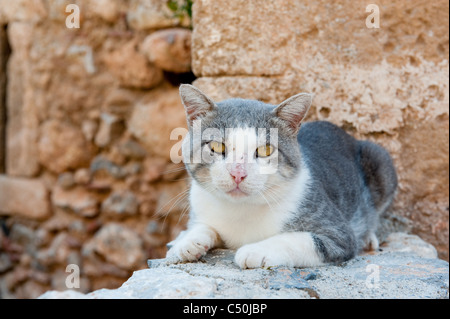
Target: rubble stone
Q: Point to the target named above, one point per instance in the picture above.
(23, 197)
(62, 146)
(119, 245)
(169, 49)
(132, 68)
(120, 204)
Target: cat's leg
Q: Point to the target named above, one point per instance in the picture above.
(194, 243)
(293, 249)
(298, 249)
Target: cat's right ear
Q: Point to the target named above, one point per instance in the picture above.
(195, 102)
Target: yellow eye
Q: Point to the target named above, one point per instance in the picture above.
(217, 147)
(264, 151)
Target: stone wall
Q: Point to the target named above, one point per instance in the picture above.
(388, 84)
(88, 179)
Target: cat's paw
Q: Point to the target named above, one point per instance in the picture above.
(258, 255)
(371, 243)
(191, 248)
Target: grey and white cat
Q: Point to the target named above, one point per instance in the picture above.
(320, 205)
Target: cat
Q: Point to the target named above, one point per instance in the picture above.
(319, 205)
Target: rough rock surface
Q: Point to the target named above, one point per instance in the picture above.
(23, 197)
(169, 49)
(405, 267)
(118, 244)
(156, 108)
(132, 67)
(56, 153)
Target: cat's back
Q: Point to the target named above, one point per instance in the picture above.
(345, 166)
(331, 156)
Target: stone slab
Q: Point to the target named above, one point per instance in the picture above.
(390, 273)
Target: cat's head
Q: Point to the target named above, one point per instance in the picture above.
(242, 150)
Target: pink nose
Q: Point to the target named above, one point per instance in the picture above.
(238, 172)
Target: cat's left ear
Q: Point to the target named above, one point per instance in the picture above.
(293, 110)
(196, 103)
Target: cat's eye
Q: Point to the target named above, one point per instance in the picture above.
(265, 150)
(217, 147)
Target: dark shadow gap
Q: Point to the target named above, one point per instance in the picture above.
(179, 78)
(5, 52)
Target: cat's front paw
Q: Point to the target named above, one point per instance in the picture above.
(189, 249)
(258, 255)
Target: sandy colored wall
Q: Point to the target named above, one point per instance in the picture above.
(388, 84)
(87, 177)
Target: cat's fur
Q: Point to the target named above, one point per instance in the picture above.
(321, 205)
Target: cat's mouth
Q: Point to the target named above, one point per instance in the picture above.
(237, 192)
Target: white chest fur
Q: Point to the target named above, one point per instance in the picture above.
(242, 223)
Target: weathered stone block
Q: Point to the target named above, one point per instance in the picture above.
(76, 200)
(62, 146)
(245, 37)
(132, 68)
(22, 10)
(119, 245)
(23, 118)
(23, 197)
(120, 204)
(149, 121)
(169, 49)
(269, 38)
(108, 10)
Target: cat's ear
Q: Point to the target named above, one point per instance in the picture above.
(195, 102)
(293, 110)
